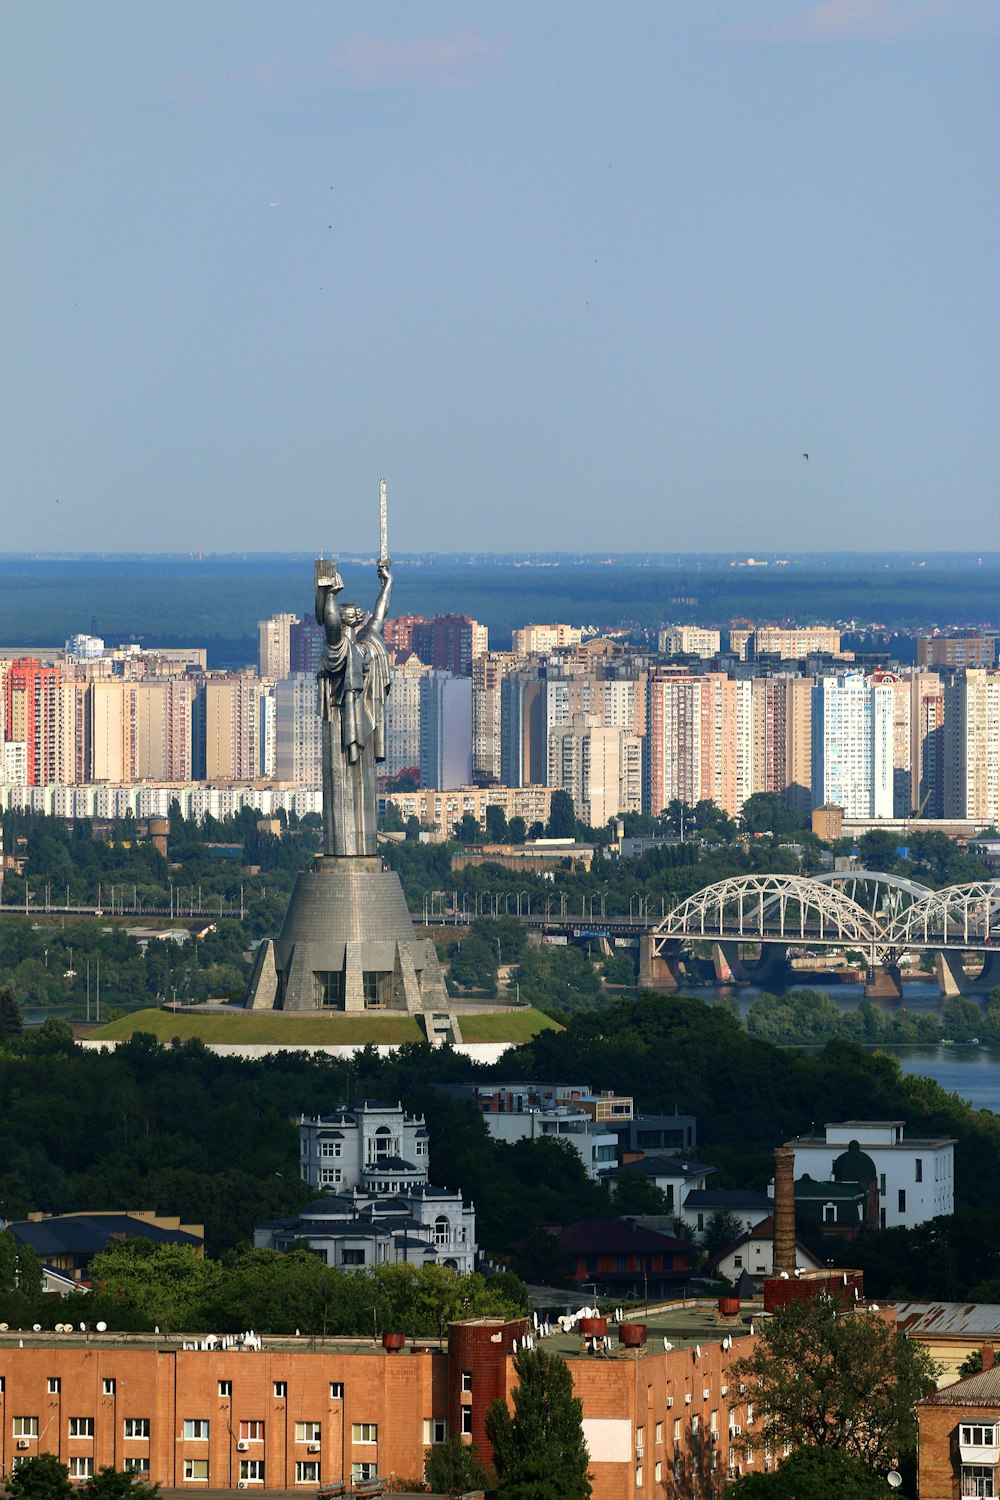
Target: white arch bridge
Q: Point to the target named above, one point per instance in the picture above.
(882, 915)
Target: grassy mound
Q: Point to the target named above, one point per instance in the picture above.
(305, 1030)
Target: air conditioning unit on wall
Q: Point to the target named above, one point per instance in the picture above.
(243, 1446)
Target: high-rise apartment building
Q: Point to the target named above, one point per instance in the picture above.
(972, 745)
(524, 729)
(927, 751)
(445, 730)
(537, 640)
(852, 745)
(688, 640)
(31, 715)
(274, 637)
(957, 651)
(792, 645)
(449, 643)
(402, 719)
(306, 639)
(298, 753)
(232, 748)
(599, 766)
(488, 673)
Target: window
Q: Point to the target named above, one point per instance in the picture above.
(659, 1433)
(196, 1471)
(738, 1262)
(225, 1387)
(109, 1387)
(621, 1264)
(280, 1389)
(881, 1184)
(363, 1471)
(829, 1213)
(435, 1430)
(442, 1230)
(977, 1480)
(196, 1429)
(364, 1432)
(658, 1473)
(251, 1432)
(307, 1472)
(330, 1176)
(977, 1436)
(466, 1380)
(336, 1390)
(638, 1477)
(307, 1432)
(25, 1427)
(640, 1441)
(352, 1258)
(135, 1465)
(701, 1222)
(466, 1418)
(677, 1429)
(329, 1148)
(252, 1470)
(902, 1200)
(55, 1385)
(329, 989)
(81, 1468)
(136, 1427)
(918, 1164)
(81, 1427)
(694, 1423)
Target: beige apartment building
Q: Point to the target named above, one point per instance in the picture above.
(537, 640)
(599, 765)
(442, 810)
(232, 746)
(972, 746)
(689, 640)
(274, 641)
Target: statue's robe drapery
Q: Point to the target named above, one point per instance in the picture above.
(354, 682)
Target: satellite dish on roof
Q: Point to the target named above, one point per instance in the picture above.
(894, 1479)
(784, 1275)
(3, 1327)
(83, 1328)
(101, 1327)
(36, 1327)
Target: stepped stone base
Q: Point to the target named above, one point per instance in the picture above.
(347, 945)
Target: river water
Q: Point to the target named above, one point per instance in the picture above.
(972, 1072)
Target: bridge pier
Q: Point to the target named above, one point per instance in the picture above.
(953, 980)
(771, 967)
(949, 982)
(883, 983)
(658, 971)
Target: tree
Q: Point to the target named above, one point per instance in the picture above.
(813, 1474)
(539, 1452)
(110, 1483)
(830, 1378)
(562, 818)
(496, 825)
(452, 1467)
(722, 1228)
(11, 1020)
(42, 1477)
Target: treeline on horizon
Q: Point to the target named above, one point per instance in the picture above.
(220, 601)
(212, 1139)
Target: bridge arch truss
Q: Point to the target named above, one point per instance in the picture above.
(957, 916)
(771, 909)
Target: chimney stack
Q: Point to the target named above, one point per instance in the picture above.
(784, 1211)
(989, 1355)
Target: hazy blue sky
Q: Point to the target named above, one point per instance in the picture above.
(571, 275)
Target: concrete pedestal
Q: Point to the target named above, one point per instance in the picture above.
(347, 945)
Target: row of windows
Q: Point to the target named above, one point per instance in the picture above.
(198, 1429)
(195, 1470)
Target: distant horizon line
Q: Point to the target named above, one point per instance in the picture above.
(732, 558)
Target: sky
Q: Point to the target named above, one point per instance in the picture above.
(572, 276)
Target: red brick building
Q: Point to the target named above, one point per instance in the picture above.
(295, 1413)
(959, 1441)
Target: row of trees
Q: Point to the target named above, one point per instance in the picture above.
(808, 1016)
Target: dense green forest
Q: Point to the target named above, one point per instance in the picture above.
(183, 1131)
(220, 598)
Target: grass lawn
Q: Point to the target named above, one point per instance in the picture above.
(508, 1026)
(299, 1030)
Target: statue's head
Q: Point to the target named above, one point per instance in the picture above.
(353, 614)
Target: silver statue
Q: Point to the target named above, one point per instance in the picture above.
(354, 681)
